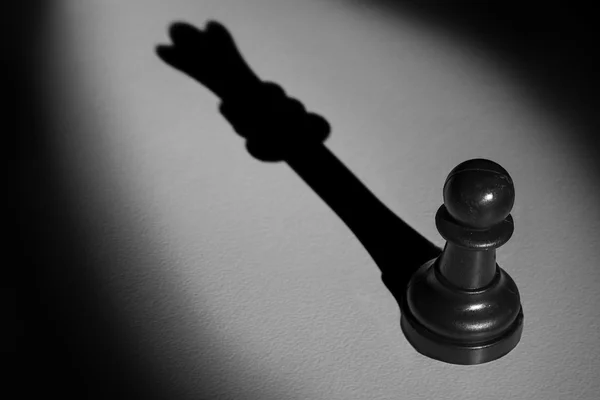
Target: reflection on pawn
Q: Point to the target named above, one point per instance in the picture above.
(461, 307)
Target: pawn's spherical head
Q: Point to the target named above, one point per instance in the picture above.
(479, 193)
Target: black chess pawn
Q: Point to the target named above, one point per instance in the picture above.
(461, 307)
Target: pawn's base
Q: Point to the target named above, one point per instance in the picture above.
(436, 347)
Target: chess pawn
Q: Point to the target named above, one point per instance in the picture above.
(461, 307)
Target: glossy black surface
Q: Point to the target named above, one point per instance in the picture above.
(479, 193)
(461, 307)
(463, 316)
(472, 238)
(466, 270)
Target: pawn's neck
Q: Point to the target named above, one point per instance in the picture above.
(465, 268)
(469, 258)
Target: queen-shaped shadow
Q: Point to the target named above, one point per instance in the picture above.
(278, 128)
